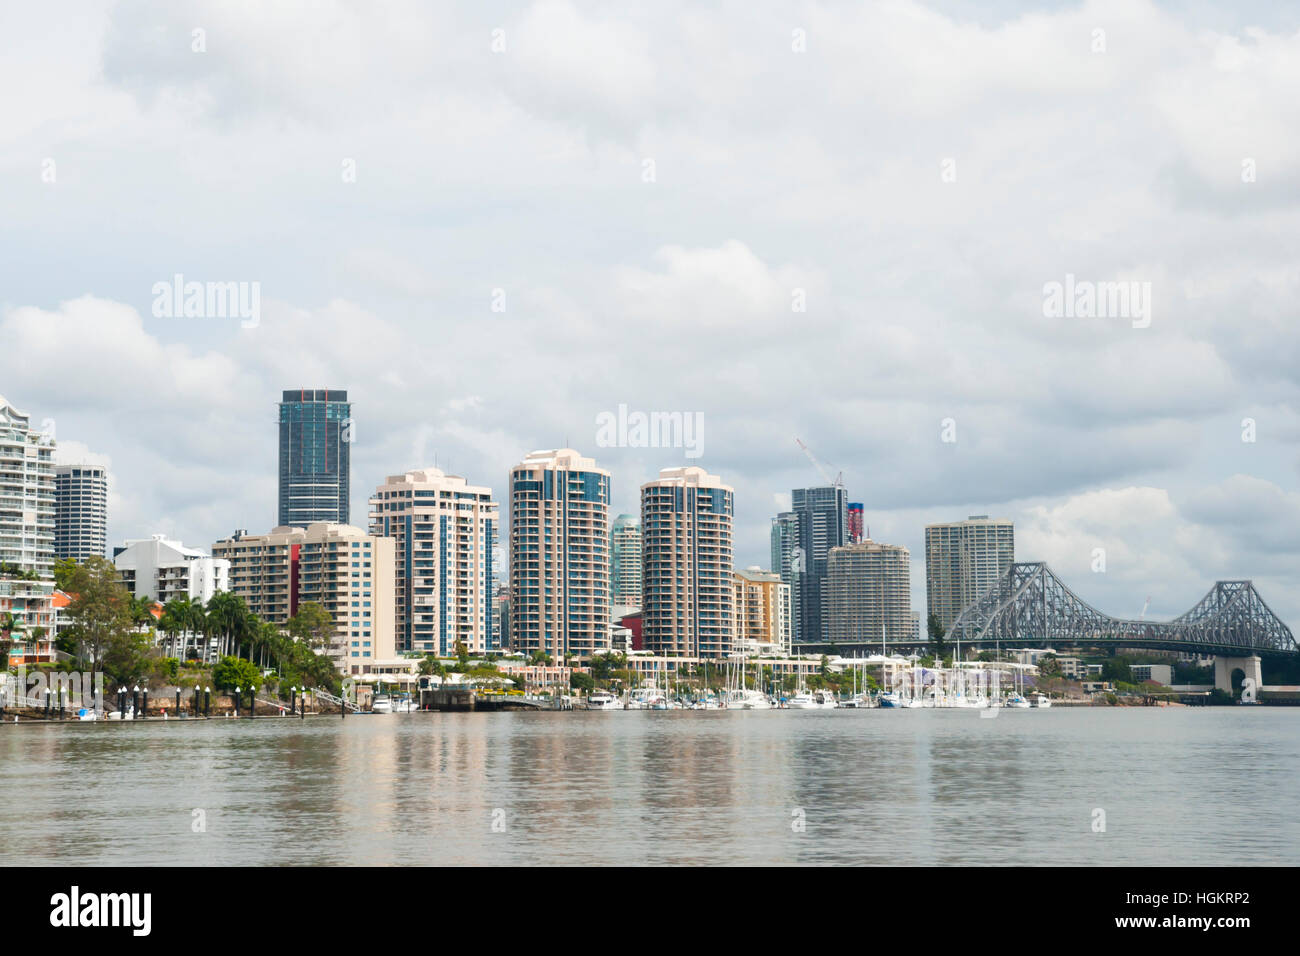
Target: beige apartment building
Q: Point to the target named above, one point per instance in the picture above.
(763, 613)
(963, 559)
(687, 575)
(444, 531)
(559, 555)
(869, 592)
(338, 566)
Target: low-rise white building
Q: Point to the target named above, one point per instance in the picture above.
(162, 569)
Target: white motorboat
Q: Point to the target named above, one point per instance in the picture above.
(803, 701)
(381, 704)
(890, 699)
(1042, 700)
(602, 700)
(748, 699)
(1017, 702)
(86, 713)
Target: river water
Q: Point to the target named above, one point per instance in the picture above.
(1202, 786)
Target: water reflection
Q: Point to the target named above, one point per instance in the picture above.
(860, 787)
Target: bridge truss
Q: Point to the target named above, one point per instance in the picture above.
(1029, 604)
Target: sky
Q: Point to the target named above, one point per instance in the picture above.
(494, 223)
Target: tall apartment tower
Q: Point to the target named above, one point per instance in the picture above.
(315, 456)
(339, 567)
(559, 555)
(444, 531)
(688, 580)
(869, 588)
(27, 493)
(962, 560)
(80, 512)
(857, 515)
(822, 514)
(787, 561)
(625, 551)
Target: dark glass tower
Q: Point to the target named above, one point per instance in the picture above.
(822, 516)
(315, 456)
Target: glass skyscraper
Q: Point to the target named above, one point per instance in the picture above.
(822, 515)
(625, 551)
(315, 456)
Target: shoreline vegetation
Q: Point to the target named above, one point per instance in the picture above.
(207, 650)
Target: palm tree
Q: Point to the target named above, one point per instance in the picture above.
(175, 621)
(8, 625)
(227, 614)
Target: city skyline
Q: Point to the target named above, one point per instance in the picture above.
(588, 216)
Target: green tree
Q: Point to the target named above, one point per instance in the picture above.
(1049, 666)
(312, 625)
(100, 609)
(232, 672)
(126, 658)
(936, 632)
(1116, 670)
(65, 571)
(583, 682)
(227, 616)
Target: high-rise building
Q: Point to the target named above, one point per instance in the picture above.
(963, 559)
(688, 588)
(559, 555)
(857, 515)
(80, 512)
(315, 456)
(822, 514)
(339, 567)
(762, 612)
(501, 617)
(625, 551)
(787, 561)
(444, 531)
(163, 569)
(27, 494)
(869, 588)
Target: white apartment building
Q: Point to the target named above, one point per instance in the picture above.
(559, 555)
(162, 569)
(963, 559)
(338, 566)
(27, 493)
(444, 531)
(687, 575)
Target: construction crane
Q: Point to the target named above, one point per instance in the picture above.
(1143, 615)
(836, 482)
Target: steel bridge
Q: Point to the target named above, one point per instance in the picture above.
(1029, 604)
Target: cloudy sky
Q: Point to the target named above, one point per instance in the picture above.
(649, 199)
